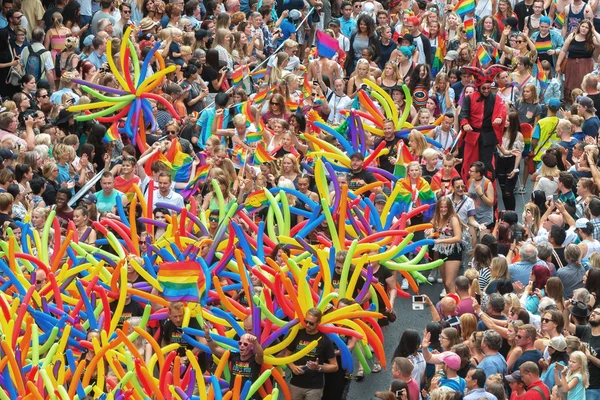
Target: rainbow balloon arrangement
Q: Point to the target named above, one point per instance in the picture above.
(44, 331)
(132, 100)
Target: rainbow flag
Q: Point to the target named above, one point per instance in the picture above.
(238, 75)
(438, 59)
(261, 96)
(253, 137)
(111, 134)
(464, 7)
(559, 21)
(495, 54)
(469, 26)
(219, 118)
(201, 176)
(181, 280)
(179, 163)
(420, 196)
(238, 154)
(483, 57)
(255, 201)
(541, 75)
(326, 45)
(261, 155)
(404, 157)
(527, 131)
(543, 47)
(292, 105)
(247, 111)
(260, 74)
(306, 87)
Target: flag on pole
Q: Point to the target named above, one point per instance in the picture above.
(469, 26)
(438, 59)
(483, 57)
(464, 7)
(326, 45)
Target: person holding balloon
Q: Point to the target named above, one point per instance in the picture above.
(245, 363)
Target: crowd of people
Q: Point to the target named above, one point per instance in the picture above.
(519, 315)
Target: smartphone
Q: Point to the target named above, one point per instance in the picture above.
(418, 306)
(559, 367)
(519, 236)
(418, 299)
(363, 86)
(555, 198)
(454, 321)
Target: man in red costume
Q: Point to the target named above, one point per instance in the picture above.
(482, 119)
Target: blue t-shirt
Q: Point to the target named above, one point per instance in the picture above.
(287, 28)
(529, 355)
(590, 126)
(106, 203)
(493, 364)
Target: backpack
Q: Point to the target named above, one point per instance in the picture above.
(34, 64)
(58, 68)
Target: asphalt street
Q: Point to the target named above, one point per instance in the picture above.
(408, 318)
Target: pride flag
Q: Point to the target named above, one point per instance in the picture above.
(326, 45)
(404, 157)
(260, 74)
(495, 54)
(238, 75)
(559, 21)
(292, 105)
(419, 196)
(438, 59)
(541, 75)
(247, 111)
(262, 155)
(483, 57)
(469, 28)
(253, 137)
(201, 176)
(179, 163)
(543, 47)
(111, 134)
(306, 87)
(261, 96)
(181, 280)
(255, 201)
(464, 7)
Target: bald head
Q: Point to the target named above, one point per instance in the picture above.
(448, 307)
(40, 279)
(591, 84)
(232, 6)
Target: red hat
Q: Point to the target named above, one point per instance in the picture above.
(485, 75)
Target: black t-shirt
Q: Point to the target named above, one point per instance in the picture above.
(324, 352)
(384, 162)
(365, 176)
(208, 75)
(249, 370)
(382, 274)
(172, 334)
(529, 355)
(596, 99)
(523, 10)
(584, 332)
(336, 280)
(133, 309)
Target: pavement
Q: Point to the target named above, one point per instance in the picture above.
(408, 318)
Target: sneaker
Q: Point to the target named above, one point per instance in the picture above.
(360, 375)
(443, 294)
(376, 368)
(439, 280)
(521, 190)
(404, 285)
(433, 275)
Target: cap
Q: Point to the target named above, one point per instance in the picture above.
(581, 223)
(295, 15)
(202, 33)
(580, 309)
(451, 55)
(587, 103)
(511, 21)
(368, 7)
(494, 85)
(89, 199)
(357, 154)
(335, 22)
(145, 43)
(557, 343)
(380, 198)
(147, 23)
(87, 42)
(549, 160)
(451, 359)
(8, 155)
(514, 377)
(63, 117)
(554, 104)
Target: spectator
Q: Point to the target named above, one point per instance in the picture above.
(475, 385)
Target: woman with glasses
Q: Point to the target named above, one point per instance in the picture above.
(276, 108)
(524, 47)
(552, 324)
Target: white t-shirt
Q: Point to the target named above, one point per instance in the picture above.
(337, 103)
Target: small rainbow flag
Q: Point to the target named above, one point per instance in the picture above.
(261, 96)
(306, 87)
(247, 111)
(292, 105)
(464, 7)
(238, 75)
(201, 176)
(253, 137)
(404, 157)
(469, 28)
(261, 155)
(541, 75)
(237, 154)
(219, 118)
(181, 280)
(255, 201)
(421, 195)
(326, 45)
(527, 131)
(559, 21)
(260, 74)
(438, 59)
(495, 54)
(543, 47)
(111, 134)
(483, 57)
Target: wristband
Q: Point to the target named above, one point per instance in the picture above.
(516, 170)
(208, 339)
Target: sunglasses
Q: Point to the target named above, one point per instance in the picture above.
(273, 103)
(518, 41)
(311, 323)
(213, 219)
(39, 282)
(171, 132)
(245, 344)
(546, 320)
(44, 96)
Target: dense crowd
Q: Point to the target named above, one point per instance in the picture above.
(500, 105)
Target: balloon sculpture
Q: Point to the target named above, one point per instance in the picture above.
(44, 332)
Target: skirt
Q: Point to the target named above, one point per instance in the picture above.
(574, 72)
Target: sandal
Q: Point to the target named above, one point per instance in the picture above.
(376, 368)
(360, 375)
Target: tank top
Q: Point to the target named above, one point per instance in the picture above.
(446, 232)
(578, 50)
(532, 30)
(574, 19)
(542, 46)
(484, 214)
(420, 97)
(593, 246)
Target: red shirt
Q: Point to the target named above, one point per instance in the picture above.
(413, 389)
(532, 394)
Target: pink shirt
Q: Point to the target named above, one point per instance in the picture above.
(465, 307)
(413, 389)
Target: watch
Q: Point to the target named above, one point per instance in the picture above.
(320, 368)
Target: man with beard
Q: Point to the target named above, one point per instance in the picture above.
(360, 177)
(482, 118)
(388, 162)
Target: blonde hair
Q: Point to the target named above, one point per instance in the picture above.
(535, 97)
(580, 357)
(564, 125)
(499, 268)
(288, 184)
(576, 120)
(420, 140)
